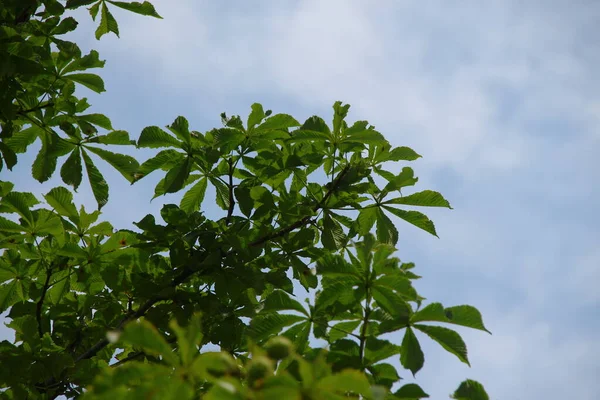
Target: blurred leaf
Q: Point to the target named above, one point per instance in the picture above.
(144, 335)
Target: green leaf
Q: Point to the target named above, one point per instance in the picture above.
(60, 286)
(115, 137)
(154, 137)
(92, 60)
(91, 81)
(299, 335)
(366, 219)
(189, 338)
(8, 155)
(426, 198)
(333, 236)
(448, 339)
(163, 160)
(346, 381)
(144, 335)
(279, 300)
(384, 374)
(278, 122)
(263, 326)
(244, 200)
(97, 181)
(97, 119)
(144, 8)
(192, 200)
(71, 171)
(73, 4)
(20, 203)
(378, 350)
(368, 136)
(391, 302)
(10, 226)
(416, 218)
(22, 139)
(397, 154)
(386, 231)
(470, 390)
(222, 193)
(459, 315)
(61, 200)
(405, 178)
(308, 136)
(11, 294)
(107, 23)
(255, 116)
(125, 164)
(180, 127)
(410, 391)
(342, 329)
(339, 114)
(176, 177)
(411, 355)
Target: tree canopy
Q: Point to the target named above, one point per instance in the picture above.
(195, 305)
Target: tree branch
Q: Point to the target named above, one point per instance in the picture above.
(40, 303)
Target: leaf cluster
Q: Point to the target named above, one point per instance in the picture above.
(306, 206)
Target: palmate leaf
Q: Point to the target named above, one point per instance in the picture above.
(125, 164)
(222, 193)
(97, 181)
(342, 329)
(411, 356)
(448, 339)
(100, 120)
(22, 139)
(192, 200)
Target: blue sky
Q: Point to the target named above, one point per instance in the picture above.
(501, 98)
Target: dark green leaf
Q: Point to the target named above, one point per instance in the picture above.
(107, 23)
(333, 236)
(192, 200)
(144, 335)
(154, 137)
(470, 390)
(386, 231)
(91, 81)
(280, 300)
(410, 391)
(448, 339)
(144, 8)
(411, 355)
(176, 177)
(97, 119)
(416, 218)
(426, 198)
(97, 182)
(71, 171)
(126, 165)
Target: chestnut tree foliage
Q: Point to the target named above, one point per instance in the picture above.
(196, 304)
